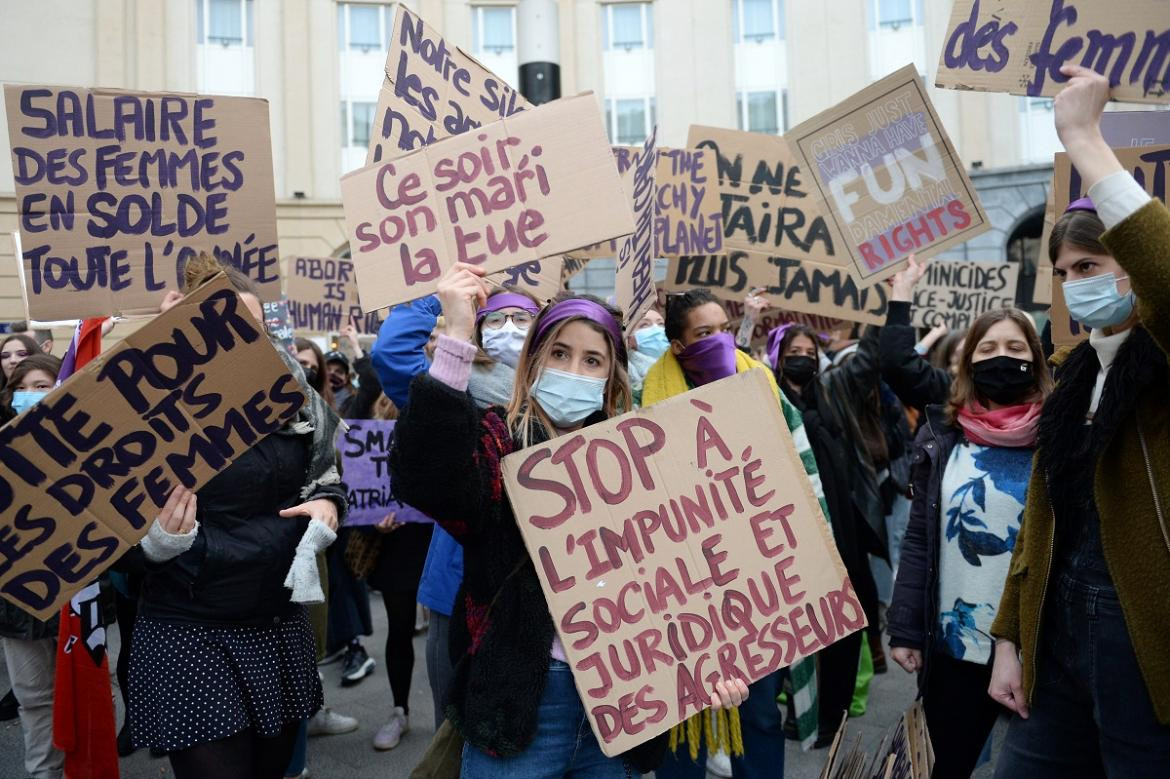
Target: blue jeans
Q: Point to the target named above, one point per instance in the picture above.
(1091, 714)
(564, 745)
(763, 740)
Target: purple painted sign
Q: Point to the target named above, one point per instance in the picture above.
(365, 462)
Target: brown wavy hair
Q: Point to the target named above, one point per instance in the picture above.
(29, 342)
(963, 387)
(34, 362)
(1080, 229)
(202, 268)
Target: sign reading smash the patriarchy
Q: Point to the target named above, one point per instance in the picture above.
(116, 191)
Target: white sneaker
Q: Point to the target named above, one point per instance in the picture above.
(719, 764)
(327, 722)
(392, 732)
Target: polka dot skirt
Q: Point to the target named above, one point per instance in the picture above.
(191, 684)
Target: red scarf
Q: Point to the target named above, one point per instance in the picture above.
(1010, 426)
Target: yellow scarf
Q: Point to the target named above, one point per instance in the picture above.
(666, 379)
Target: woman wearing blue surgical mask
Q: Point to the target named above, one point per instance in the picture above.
(512, 697)
(31, 380)
(1081, 653)
(646, 344)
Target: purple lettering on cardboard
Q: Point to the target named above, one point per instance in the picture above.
(365, 455)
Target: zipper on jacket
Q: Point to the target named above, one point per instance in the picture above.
(1153, 488)
(1044, 589)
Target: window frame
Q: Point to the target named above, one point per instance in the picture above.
(477, 28)
(203, 35)
(743, 109)
(779, 29)
(345, 27)
(646, 22)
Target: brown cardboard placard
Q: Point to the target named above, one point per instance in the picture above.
(1149, 166)
(679, 515)
(956, 292)
(543, 279)
(687, 210)
(116, 190)
(507, 194)
(1019, 46)
(888, 176)
(634, 278)
(765, 194)
(432, 90)
(322, 296)
(792, 285)
(88, 467)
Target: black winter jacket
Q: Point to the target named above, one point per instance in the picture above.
(234, 572)
(912, 617)
(446, 463)
(360, 403)
(915, 381)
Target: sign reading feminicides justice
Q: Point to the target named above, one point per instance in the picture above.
(678, 545)
(891, 179)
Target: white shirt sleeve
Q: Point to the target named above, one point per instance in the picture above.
(1117, 197)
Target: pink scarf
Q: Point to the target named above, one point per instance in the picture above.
(1011, 426)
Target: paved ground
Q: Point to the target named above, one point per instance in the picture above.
(352, 757)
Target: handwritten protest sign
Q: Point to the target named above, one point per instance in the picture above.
(279, 327)
(771, 318)
(507, 194)
(956, 292)
(687, 208)
(1019, 46)
(365, 463)
(677, 545)
(634, 280)
(571, 267)
(766, 208)
(888, 175)
(432, 90)
(322, 296)
(540, 278)
(117, 190)
(788, 284)
(88, 468)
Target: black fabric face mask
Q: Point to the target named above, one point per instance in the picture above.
(311, 376)
(1004, 380)
(800, 370)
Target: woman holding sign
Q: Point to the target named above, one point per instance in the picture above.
(513, 697)
(1082, 649)
(972, 461)
(222, 666)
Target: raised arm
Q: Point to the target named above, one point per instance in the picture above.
(398, 354)
(914, 380)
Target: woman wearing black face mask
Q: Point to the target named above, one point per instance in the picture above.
(972, 462)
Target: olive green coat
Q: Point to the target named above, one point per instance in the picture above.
(1132, 492)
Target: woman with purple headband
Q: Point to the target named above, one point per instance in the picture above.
(513, 698)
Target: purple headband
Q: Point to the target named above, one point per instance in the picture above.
(1083, 204)
(774, 339)
(506, 300)
(580, 308)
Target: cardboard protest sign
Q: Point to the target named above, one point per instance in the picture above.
(687, 208)
(888, 175)
(322, 296)
(788, 284)
(540, 278)
(1019, 46)
(87, 469)
(571, 267)
(634, 280)
(433, 90)
(1149, 165)
(117, 190)
(772, 318)
(677, 545)
(277, 323)
(956, 292)
(764, 193)
(507, 194)
(365, 465)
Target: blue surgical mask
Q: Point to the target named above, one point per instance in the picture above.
(23, 400)
(1096, 303)
(505, 344)
(567, 398)
(652, 340)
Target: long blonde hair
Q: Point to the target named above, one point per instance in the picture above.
(523, 409)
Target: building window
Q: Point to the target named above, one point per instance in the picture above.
(759, 112)
(629, 120)
(756, 21)
(224, 22)
(493, 29)
(356, 120)
(364, 27)
(895, 14)
(627, 26)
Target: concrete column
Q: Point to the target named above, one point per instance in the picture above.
(538, 39)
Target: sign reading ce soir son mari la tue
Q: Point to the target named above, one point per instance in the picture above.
(889, 176)
(88, 468)
(678, 545)
(534, 185)
(1019, 46)
(117, 190)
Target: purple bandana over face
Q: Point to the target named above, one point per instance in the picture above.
(709, 359)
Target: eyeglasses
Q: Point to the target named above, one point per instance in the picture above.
(495, 320)
(9, 355)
